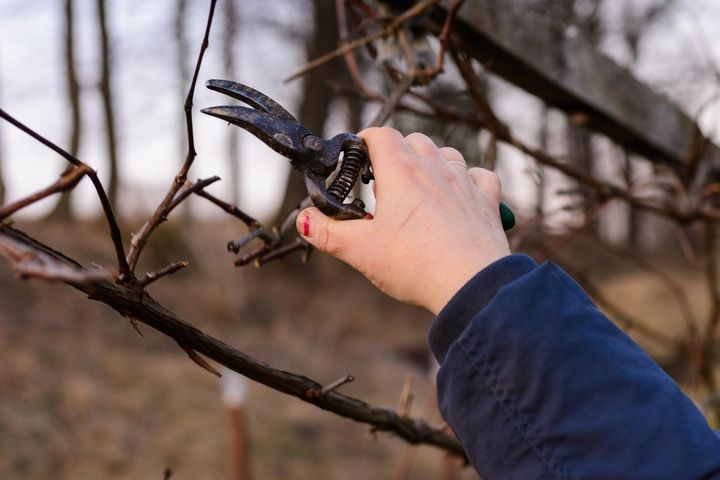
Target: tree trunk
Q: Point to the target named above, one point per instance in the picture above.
(317, 96)
(229, 49)
(106, 92)
(63, 210)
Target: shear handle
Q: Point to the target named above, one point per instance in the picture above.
(328, 204)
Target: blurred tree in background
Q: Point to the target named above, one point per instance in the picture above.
(62, 209)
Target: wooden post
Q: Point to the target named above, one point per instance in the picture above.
(234, 389)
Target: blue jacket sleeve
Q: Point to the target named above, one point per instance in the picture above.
(538, 384)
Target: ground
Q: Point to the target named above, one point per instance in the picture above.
(82, 395)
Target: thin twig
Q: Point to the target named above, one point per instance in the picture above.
(431, 72)
(298, 244)
(602, 188)
(251, 222)
(437, 111)
(337, 384)
(348, 47)
(477, 92)
(139, 239)
(392, 101)
(229, 208)
(331, 387)
(349, 56)
(272, 248)
(66, 182)
(115, 235)
(150, 277)
(31, 259)
(252, 256)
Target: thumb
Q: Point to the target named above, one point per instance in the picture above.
(336, 237)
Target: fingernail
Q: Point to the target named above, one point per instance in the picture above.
(305, 224)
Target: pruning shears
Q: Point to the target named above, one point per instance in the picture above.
(315, 157)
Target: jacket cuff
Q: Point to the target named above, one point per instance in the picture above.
(471, 298)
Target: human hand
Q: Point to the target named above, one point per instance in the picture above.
(436, 223)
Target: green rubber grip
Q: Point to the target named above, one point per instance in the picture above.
(507, 217)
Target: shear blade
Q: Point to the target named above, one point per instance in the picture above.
(283, 136)
(250, 96)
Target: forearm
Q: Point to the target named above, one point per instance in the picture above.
(537, 383)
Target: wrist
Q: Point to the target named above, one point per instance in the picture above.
(454, 278)
(472, 298)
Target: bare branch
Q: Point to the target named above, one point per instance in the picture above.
(252, 223)
(337, 384)
(393, 100)
(30, 259)
(298, 244)
(602, 188)
(331, 387)
(66, 182)
(411, 12)
(130, 300)
(349, 56)
(115, 235)
(139, 239)
(186, 192)
(273, 239)
(431, 72)
(150, 277)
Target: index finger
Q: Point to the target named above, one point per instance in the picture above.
(387, 149)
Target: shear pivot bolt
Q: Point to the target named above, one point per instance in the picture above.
(312, 142)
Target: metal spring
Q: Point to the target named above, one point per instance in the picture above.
(342, 184)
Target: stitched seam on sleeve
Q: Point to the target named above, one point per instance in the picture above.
(504, 400)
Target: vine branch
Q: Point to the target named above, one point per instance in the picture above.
(28, 256)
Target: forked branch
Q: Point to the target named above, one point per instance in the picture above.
(123, 268)
(139, 239)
